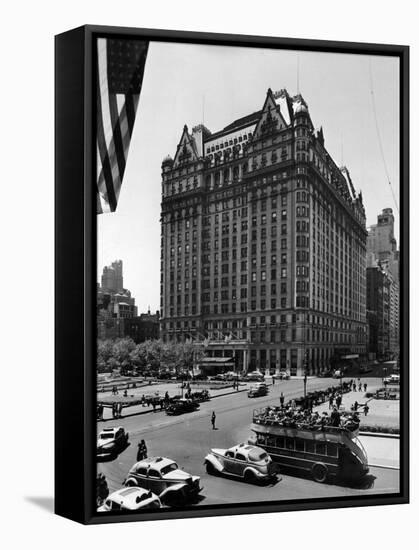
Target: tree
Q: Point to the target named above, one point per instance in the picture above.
(104, 355)
(121, 351)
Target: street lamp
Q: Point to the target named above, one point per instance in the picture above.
(305, 377)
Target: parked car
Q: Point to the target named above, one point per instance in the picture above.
(231, 376)
(326, 374)
(200, 377)
(258, 390)
(163, 477)
(281, 376)
(247, 462)
(111, 441)
(338, 373)
(254, 377)
(392, 379)
(365, 369)
(219, 377)
(182, 406)
(130, 498)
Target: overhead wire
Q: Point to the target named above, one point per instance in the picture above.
(380, 143)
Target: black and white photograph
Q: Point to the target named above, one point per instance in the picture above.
(248, 287)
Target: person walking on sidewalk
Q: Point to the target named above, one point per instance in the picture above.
(331, 401)
(366, 409)
(365, 387)
(213, 417)
(338, 401)
(281, 400)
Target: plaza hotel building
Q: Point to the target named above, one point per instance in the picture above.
(263, 244)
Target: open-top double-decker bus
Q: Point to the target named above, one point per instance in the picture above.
(326, 452)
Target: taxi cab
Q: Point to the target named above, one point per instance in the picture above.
(247, 462)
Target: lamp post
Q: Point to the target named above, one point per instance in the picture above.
(305, 377)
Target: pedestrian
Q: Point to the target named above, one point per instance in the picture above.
(273, 380)
(338, 401)
(154, 406)
(331, 402)
(335, 417)
(144, 449)
(143, 400)
(354, 387)
(360, 387)
(101, 488)
(125, 393)
(365, 387)
(281, 400)
(366, 409)
(356, 406)
(140, 452)
(213, 417)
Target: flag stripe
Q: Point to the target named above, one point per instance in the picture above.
(120, 71)
(106, 167)
(117, 138)
(131, 108)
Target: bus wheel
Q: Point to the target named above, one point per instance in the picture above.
(319, 472)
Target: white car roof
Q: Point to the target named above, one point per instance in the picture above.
(242, 448)
(110, 430)
(128, 495)
(157, 462)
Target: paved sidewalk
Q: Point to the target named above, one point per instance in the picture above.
(382, 451)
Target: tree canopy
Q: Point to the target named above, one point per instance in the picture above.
(123, 354)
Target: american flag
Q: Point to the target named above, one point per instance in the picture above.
(120, 71)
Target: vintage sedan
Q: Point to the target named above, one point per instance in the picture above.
(181, 406)
(258, 390)
(163, 477)
(111, 441)
(247, 462)
(130, 498)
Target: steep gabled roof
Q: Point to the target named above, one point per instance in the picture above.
(271, 116)
(186, 148)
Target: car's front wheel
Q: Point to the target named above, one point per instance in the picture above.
(211, 469)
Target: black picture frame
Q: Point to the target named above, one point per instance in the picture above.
(75, 271)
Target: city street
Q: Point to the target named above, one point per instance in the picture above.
(188, 438)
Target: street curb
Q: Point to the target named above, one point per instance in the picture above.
(384, 467)
(384, 435)
(151, 411)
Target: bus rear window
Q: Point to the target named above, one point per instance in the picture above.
(256, 455)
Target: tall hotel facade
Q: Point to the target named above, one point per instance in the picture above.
(263, 243)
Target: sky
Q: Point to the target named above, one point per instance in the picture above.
(190, 84)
